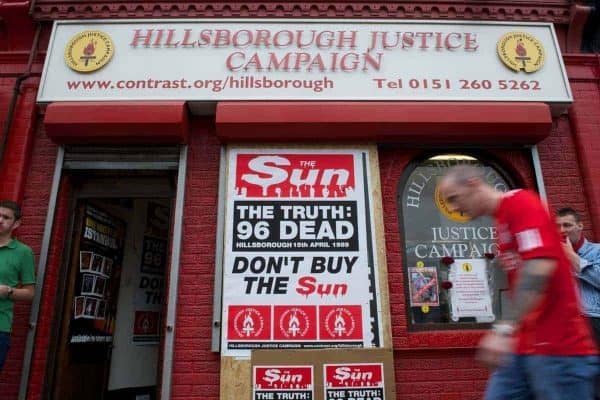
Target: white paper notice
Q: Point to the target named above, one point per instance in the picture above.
(470, 292)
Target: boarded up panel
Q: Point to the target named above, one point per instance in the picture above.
(235, 379)
(349, 360)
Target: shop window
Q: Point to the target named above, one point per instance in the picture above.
(451, 281)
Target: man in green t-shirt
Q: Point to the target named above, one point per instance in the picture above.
(17, 276)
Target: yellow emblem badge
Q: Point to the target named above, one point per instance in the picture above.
(441, 204)
(521, 51)
(89, 51)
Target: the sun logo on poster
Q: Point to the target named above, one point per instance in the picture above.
(283, 377)
(89, 51)
(354, 376)
(521, 51)
(295, 175)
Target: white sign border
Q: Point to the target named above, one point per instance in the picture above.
(41, 98)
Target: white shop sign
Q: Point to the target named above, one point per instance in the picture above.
(214, 60)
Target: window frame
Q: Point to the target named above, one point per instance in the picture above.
(482, 157)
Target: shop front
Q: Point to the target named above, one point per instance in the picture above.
(248, 208)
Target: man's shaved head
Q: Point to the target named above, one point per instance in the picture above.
(465, 190)
(461, 174)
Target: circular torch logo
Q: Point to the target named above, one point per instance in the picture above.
(294, 323)
(89, 51)
(441, 204)
(248, 323)
(339, 323)
(521, 51)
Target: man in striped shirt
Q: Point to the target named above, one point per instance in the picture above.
(585, 260)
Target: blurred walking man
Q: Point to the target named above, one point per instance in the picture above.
(546, 350)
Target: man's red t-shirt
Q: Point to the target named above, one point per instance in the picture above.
(557, 325)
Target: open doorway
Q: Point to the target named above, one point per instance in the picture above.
(108, 344)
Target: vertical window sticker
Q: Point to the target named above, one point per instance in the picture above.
(354, 381)
(85, 261)
(101, 310)
(100, 286)
(91, 305)
(78, 307)
(97, 262)
(107, 266)
(281, 382)
(87, 284)
(423, 287)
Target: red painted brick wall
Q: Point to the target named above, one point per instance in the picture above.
(562, 175)
(6, 86)
(35, 204)
(195, 368)
(582, 140)
(19, 143)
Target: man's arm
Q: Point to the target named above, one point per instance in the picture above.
(529, 291)
(24, 293)
(530, 287)
(586, 268)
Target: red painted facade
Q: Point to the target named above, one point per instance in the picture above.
(428, 365)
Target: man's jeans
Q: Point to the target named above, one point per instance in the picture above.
(544, 378)
(4, 345)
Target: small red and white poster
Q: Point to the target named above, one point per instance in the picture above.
(281, 382)
(340, 323)
(295, 323)
(249, 323)
(146, 326)
(354, 381)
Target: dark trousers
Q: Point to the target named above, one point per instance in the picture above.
(4, 345)
(595, 322)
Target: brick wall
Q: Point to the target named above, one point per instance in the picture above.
(195, 368)
(562, 175)
(6, 88)
(19, 143)
(35, 205)
(583, 139)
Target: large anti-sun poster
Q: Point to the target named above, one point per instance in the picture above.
(300, 268)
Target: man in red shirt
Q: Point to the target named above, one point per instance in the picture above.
(545, 351)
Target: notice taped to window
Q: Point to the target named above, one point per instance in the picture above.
(470, 294)
(299, 259)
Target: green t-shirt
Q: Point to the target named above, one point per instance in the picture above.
(16, 267)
